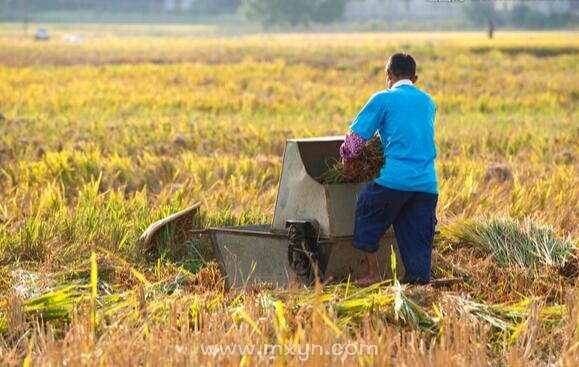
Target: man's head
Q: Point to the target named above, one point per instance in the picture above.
(400, 66)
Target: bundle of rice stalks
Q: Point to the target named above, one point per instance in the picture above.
(513, 243)
(54, 305)
(495, 315)
(391, 302)
(365, 168)
(58, 302)
(507, 319)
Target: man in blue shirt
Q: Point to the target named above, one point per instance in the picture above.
(406, 192)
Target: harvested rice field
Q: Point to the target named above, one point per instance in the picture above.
(103, 137)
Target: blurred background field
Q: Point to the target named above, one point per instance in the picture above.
(129, 123)
(235, 16)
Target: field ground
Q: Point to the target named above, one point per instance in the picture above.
(104, 136)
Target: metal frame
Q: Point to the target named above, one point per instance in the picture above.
(338, 258)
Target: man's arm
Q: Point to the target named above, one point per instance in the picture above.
(362, 129)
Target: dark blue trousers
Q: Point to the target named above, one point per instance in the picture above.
(413, 215)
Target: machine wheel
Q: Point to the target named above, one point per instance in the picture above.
(303, 252)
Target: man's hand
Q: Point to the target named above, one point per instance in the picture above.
(347, 169)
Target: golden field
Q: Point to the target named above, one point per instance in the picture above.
(101, 138)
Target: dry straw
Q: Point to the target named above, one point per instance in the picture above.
(365, 168)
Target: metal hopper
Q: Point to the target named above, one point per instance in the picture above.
(301, 196)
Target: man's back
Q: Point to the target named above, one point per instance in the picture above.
(404, 118)
(408, 139)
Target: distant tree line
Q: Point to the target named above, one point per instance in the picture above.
(520, 16)
(271, 13)
(283, 13)
(208, 6)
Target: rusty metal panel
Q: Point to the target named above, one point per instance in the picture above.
(175, 228)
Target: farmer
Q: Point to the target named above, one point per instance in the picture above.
(406, 192)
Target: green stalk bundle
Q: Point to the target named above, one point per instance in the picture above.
(523, 244)
(364, 168)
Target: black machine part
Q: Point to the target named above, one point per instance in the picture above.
(303, 250)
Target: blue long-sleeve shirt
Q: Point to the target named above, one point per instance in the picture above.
(404, 117)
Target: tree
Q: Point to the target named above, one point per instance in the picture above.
(523, 17)
(295, 12)
(481, 12)
(215, 6)
(328, 11)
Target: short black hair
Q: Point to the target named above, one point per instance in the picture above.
(402, 65)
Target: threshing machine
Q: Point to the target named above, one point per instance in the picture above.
(310, 235)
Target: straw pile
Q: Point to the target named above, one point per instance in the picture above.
(365, 168)
(524, 244)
